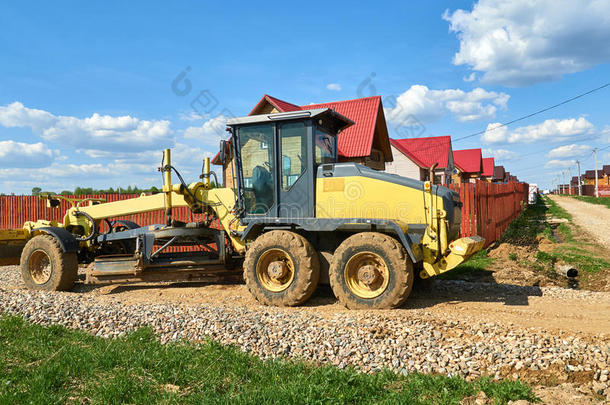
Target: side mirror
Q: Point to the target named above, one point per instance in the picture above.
(53, 202)
(223, 151)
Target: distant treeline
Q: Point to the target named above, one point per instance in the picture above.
(93, 191)
(90, 191)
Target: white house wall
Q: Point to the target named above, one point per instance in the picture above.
(402, 165)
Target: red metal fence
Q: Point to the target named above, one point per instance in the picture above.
(15, 210)
(488, 209)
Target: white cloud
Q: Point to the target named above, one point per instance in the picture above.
(470, 78)
(210, 133)
(334, 86)
(549, 130)
(125, 173)
(99, 132)
(556, 163)
(521, 42)
(428, 105)
(569, 151)
(192, 116)
(605, 134)
(20, 155)
(499, 154)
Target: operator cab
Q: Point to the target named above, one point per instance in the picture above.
(276, 159)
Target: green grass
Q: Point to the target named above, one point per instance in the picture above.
(525, 228)
(579, 258)
(555, 210)
(475, 266)
(44, 365)
(601, 201)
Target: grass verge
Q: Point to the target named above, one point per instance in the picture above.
(592, 200)
(53, 364)
(527, 226)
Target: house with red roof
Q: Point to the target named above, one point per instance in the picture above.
(589, 177)
(366, 142)
(488, 169)
(413, 158)
(468, 165)
(499, 174)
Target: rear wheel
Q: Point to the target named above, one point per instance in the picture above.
(370, 270)
(281, 268)
(45, 266)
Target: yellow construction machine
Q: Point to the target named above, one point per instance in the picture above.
(292, 217)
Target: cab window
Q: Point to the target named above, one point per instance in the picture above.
(256, 145)
(325, 147)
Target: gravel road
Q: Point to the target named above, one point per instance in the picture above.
(546, 335)
(594, 219)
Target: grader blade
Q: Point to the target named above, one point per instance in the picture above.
(12, 242)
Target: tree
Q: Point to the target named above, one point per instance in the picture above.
(36, 190)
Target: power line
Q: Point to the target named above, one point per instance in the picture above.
(534, 113)
(518, 119)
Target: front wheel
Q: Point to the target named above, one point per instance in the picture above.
(281, 268)
(370, 270)
(45, 266)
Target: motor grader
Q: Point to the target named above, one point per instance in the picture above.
(292, 217)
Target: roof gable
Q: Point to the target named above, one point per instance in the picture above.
(355, 141)
(488, 167)
(425, 151)
(468, 160)
(280, 105)
(499, 173)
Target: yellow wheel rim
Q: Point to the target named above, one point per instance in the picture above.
(40, 267)
(367, 275)
(275, 270)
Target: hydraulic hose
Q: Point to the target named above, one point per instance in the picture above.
(94, 229)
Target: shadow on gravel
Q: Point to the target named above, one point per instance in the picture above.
(424, 295)
(453, 291)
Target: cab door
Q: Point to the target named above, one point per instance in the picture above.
(295, 170)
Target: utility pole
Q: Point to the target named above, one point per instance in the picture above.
(563, 175)
(570, 179)
(596, 186)
(579, 184)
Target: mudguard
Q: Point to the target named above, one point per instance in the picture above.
(66, 240)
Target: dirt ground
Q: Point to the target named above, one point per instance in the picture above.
(592, 218)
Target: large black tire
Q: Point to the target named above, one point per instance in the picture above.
(45, 266)
(390, 286)
(301, 261)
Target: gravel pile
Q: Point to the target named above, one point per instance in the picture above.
(368, 340)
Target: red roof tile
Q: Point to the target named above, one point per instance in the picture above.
(425, 151)
(281, 105)
(468, 160)
(355, 141)
(488, 167)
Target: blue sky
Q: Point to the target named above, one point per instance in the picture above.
(86, 96)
